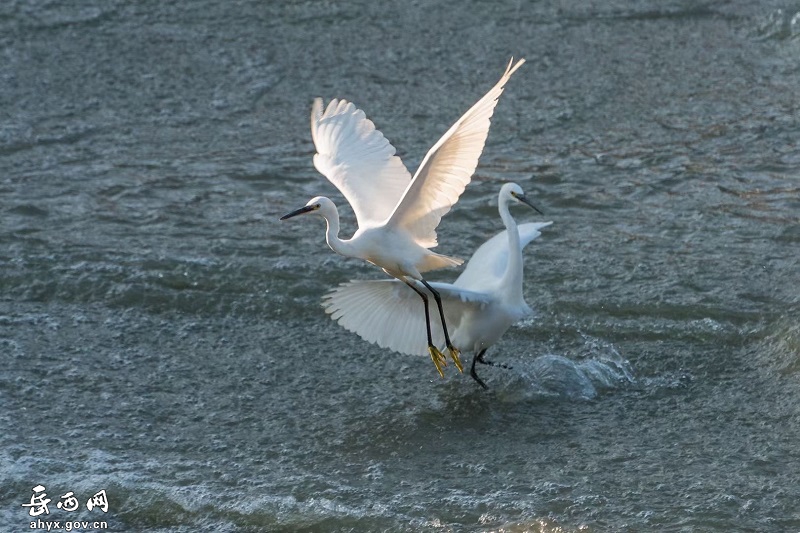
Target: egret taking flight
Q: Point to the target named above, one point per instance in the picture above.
(397, 215)
(480, 305)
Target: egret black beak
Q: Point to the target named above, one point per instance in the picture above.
(304, 209)
(527, 202)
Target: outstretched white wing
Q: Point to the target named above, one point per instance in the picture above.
(447, 168)
(487, 265)
(390, 314)
(358, 160)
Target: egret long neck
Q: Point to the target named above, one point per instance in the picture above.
(512, 278)
(332, 235)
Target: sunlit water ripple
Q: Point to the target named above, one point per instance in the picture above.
(162, 335)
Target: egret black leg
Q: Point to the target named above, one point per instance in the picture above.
(483, 361)
(453, 350)
(427, 312)
(436, 355)
(441, 311)
(478, 359)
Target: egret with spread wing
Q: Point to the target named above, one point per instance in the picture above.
(480, 305)
(397, 215)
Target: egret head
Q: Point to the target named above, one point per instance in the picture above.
(512, 191)
(319, 205)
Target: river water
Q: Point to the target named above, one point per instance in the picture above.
(161, 336)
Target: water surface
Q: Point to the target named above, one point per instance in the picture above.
(160, 329)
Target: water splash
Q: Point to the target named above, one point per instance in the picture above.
(601, 368)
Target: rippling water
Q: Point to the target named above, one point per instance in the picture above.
(160, 330)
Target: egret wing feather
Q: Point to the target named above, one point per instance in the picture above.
(390, 314)
(486, 266)
(358, 160)
(447, 168)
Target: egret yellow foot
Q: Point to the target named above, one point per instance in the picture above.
(454, 353)
(438, 359)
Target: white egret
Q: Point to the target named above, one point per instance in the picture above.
(480, 305)
(397, 215)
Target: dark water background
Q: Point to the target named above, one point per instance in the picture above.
(160, 331)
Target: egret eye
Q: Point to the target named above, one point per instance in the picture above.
(317, 206)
